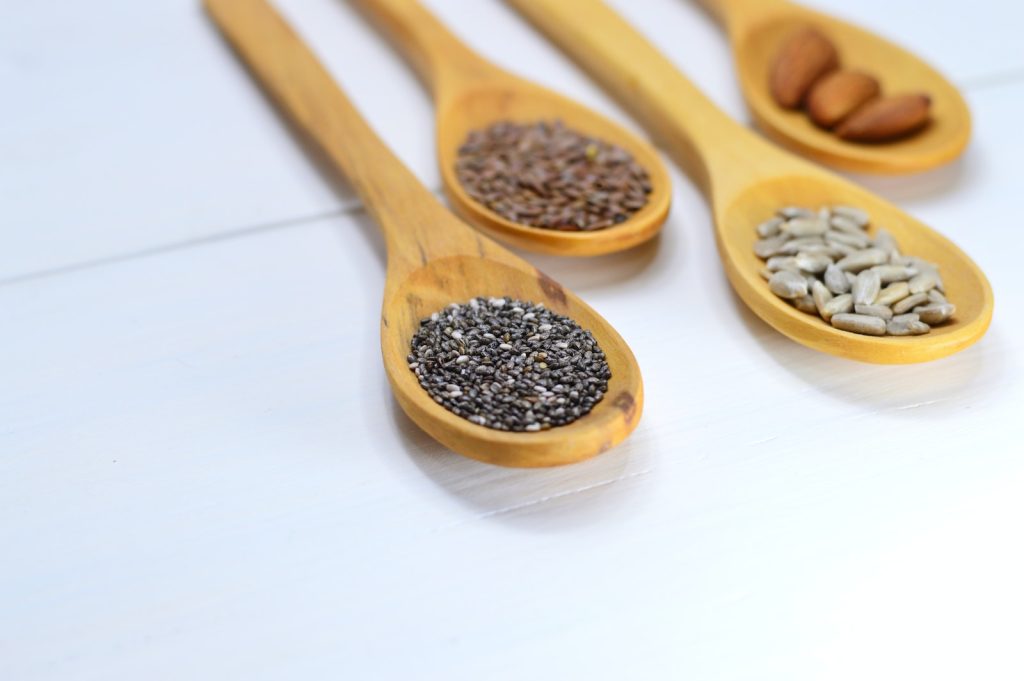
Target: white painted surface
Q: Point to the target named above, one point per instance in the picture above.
(203, 474)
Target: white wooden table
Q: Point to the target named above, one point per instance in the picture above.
(203, 474)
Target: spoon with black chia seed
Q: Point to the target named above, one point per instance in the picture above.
(438, 265)
(520, 162)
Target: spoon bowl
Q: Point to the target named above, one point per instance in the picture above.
(434, 259)
(966, 286)
(747, 180)
(515, 100)
(757, 30)
(471, 94)
(430, 288)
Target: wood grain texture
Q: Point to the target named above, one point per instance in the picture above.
(433, 258)
(758, 28)
(747, 180)
(471, 94)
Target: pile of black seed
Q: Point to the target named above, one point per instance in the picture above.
(546, 175)
(508, 364)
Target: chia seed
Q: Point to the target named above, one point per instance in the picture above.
(508, 364)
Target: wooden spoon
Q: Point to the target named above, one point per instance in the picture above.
(747, 179)
(471, 94)
(433, 258)
(757, 29)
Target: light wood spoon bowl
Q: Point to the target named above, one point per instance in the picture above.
(757, 29)
(433, 258)
(747, 179)
(470, 94)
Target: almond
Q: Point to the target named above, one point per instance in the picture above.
(887, 118)
(805, 57)
(838, 94)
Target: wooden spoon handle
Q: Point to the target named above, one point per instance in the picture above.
(404, 208)
(706, 142)
(443, 61)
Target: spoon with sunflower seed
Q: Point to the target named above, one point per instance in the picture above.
(748, 181)
(520, 162)
(483, 351)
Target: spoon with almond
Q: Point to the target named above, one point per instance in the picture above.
(747, 180)
(840, 94)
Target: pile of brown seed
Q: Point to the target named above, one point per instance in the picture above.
(824, 262)
(546, 175)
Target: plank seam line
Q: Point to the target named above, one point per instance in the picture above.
(175, 246)
(993, 80)
(228, 235)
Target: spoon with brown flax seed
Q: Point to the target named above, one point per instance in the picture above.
(525, 164)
